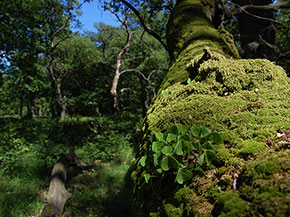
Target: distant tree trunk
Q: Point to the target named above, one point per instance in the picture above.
(21, 105)
(52, 82)
(143, 96)
(62, 100)
(123, 51)
(30, 105)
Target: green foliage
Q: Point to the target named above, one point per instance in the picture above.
(182, 150)
(30, 148)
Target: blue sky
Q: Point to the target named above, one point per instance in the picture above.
(93, 13)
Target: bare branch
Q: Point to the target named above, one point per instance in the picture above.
(143, 23)
(270, 7)
(245, 9)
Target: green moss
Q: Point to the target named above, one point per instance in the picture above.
(271, 204)
(249, 148)
(247, 101)
(230, 204)
(263, 169)
(223, 155)
(265, 184)
(172, 211)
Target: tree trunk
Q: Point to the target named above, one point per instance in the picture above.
(21, 105)
(62, 100)
(57, 194)
(145, 97)
(52, 88)
(226, 94)
(189, 30)
(30, 105)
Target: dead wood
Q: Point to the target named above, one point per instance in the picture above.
(58, 194)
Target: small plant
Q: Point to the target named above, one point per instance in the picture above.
(181, 149)
(166, 93)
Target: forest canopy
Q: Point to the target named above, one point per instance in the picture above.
(46, 69)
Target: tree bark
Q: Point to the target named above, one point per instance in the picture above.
(57, 194)
(52, 80)
(123, 51)
(190, 29)
(62, 100)
(21, 105)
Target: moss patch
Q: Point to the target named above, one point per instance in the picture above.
(248, 102)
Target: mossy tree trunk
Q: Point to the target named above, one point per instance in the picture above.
(247, 101)
(194, 25)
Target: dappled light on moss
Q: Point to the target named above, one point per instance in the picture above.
(247, 102)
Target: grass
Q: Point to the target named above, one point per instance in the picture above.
(30, 148)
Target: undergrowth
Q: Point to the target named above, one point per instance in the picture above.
(30, 148)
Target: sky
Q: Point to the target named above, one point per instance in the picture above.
(93, 13)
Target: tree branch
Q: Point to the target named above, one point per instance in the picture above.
(245, 8)
(142, 21)
(270, 7)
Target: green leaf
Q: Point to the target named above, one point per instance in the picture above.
(170, 137)
(173, 163)
(189, 146)
(181, 129)
(165, 163)
(184, 137)
(183, 175)
(201, 159)
(188, 81)
(159, 170)
(156, 146)
(143, 161)
(155, 158)
(169, 162)
(195, 130)
(205, 132)
(208, 145)
(178, 148)
(215, 138)
(163, 92)
(147, 177)
(210, 154)
(159, 136)
(173, 129)
(166, 150)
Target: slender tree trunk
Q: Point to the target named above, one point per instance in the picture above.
(145, 98)
(62, 100)
(30, 105)
(53, 96)
(52, 80)
(114, 89)
(21, 105)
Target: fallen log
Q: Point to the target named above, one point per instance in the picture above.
(58, 194)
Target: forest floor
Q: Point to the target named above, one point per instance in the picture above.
(30, 148)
